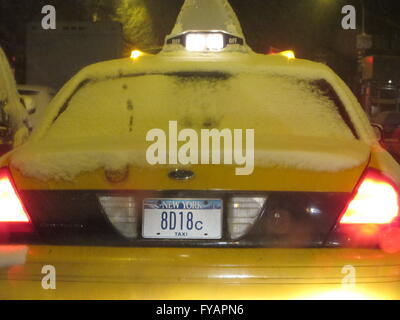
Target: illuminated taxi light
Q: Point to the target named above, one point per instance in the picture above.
(135, 54)
(288, 54)
(376, 201)
(215, 41)
(195, 42)
(204, 41)
(10, 204)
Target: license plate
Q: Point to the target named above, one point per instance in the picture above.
(182, 218)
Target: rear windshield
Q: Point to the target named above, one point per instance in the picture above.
(273, 105)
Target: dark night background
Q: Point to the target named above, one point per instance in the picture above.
(312, 28)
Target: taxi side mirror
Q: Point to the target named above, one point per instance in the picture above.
(378, 129)
(29, 104)
(5, 133)
(4, 125)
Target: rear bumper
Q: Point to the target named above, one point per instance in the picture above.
(187, 273)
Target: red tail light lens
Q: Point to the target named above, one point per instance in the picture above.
(376, 201)
(11, 207)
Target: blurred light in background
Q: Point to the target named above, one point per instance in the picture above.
(135, 54)
(288, 54)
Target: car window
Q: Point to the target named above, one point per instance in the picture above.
(271, 104)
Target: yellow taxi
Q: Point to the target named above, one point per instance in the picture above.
(206, 171)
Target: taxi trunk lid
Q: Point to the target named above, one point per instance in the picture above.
(277, 164)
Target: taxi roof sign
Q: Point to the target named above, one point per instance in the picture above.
(184, 39)
(207, 18)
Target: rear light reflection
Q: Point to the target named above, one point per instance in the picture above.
(122, 213)
(11, 208)
(390, 240)
(242, 214)
(376, 201)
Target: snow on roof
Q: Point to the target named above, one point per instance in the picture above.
(229, 62)
(207, 15)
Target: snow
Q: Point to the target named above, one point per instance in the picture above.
(273, 105)
(8, 91)
(230, 62)
(41, 96)
(207, 15)
(67, 160)
(294, 125)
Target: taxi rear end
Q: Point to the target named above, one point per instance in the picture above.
(196, 231)
(273, 244)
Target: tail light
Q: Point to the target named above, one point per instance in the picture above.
(242, 214)
(375, 201)
(11, 207)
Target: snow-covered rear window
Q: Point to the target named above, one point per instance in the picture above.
(273, 105)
